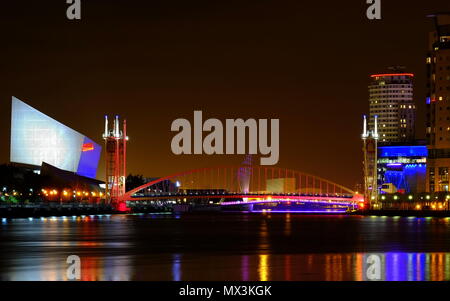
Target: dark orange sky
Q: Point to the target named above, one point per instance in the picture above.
(304, 62)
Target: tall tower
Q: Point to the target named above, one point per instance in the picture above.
(116, 150)
(391, 99)
(370, 138)
(438, 104)
(244, 173)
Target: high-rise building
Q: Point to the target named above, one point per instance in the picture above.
(438, 104)
(391, 99)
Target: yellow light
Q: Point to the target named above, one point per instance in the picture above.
(65, 193)
(410, 197)
(427, 197)
(418, 207)
(78, 193)
(101, 194)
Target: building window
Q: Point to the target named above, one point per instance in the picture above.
(431, 178)
(443, 178)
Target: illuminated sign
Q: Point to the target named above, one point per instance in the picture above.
(88, 147)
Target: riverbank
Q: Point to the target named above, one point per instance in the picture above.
(403, 213)
(45, 210)
(75, 209)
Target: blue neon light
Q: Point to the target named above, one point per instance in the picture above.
(406, 177)
(403, 151)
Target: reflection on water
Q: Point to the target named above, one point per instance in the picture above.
(226, 247)
(176, 267)
(263, 267)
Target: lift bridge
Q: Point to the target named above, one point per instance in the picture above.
(244, 185)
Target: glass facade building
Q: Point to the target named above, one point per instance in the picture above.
(37, 138)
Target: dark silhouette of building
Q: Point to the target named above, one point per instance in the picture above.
(438, 104)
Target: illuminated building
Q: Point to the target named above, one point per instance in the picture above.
(61, 185)
(402, 168)
(36, 139)
(391, 99)
(438, 105)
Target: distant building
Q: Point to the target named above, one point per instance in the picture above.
(438, 105)
(279, 185)
(391, 99)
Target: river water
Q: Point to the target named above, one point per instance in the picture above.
(226, 246)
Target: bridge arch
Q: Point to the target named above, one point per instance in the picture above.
(242, 179)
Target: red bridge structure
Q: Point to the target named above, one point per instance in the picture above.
(241, 185)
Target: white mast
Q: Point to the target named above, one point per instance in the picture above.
(106, 127)
(116, 127)
(375, 134)
(364, 135)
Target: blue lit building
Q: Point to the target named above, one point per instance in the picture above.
(402, 169)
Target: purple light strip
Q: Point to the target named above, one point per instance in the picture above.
(298, 211)
(394, 164)
(285, 201)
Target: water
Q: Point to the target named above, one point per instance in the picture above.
(227, 246)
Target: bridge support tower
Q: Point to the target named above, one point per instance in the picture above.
(116, 151)
(370, 139)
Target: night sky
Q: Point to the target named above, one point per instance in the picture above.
(304, 62)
